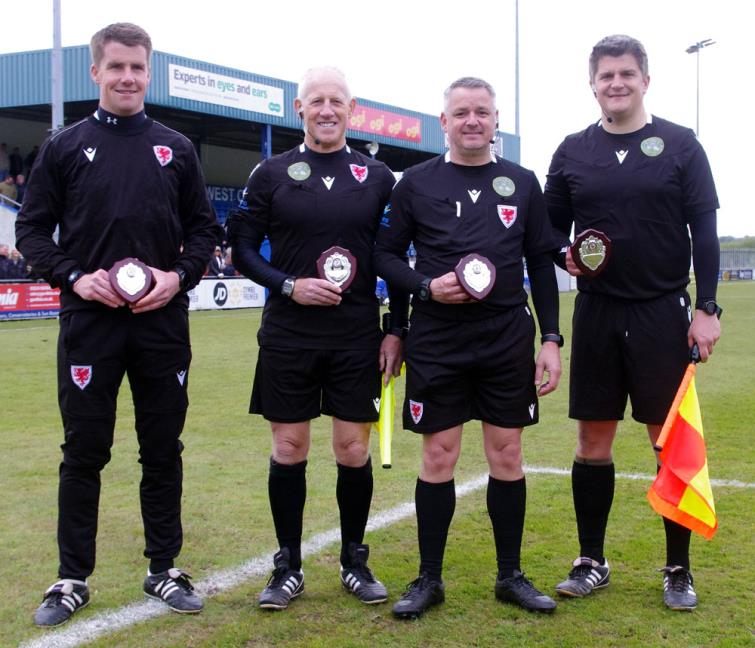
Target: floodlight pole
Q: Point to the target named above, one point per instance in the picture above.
(516, 70)
(695, 49)
(56, 72)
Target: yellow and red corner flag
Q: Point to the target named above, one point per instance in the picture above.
(681, 490)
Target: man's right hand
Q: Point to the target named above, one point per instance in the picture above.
(571, 267)
(446, 289)
(315, 292)
(96, 287)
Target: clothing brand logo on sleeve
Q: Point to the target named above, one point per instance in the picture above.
(89, 152)
(81, 375)
(164, 154)
(416, 410)
(507, 214)
(359, 172)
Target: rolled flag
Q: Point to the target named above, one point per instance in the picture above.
(385, 420)
(681, 490)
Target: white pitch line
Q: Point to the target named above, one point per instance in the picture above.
(86, 630)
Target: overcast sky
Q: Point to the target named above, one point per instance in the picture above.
(405, 53)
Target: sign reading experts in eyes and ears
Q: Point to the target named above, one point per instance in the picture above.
(221, 90)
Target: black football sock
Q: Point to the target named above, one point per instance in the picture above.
(354, 495)
(287, 488)
(507, 502)
(677, 544)
(592, 488)
(435, 508)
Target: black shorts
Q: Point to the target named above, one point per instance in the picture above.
(294, 385)
(97, 347)
(458, 371)
(626, 349)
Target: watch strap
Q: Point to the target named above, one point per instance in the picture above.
(553, 337)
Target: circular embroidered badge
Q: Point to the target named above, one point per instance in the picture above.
(299, 171)
(652, 146)
(503, 186)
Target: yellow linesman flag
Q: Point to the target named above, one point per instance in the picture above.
(385, 421)
(681, 490)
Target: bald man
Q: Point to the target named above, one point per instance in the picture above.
(321, 347)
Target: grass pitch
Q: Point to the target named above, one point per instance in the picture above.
(227, 519)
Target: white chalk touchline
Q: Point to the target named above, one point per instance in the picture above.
(86, 630)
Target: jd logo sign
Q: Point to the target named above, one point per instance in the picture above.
(220, 294)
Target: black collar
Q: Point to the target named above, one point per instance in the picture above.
(121, 123)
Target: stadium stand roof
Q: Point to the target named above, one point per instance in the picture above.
(214, 106)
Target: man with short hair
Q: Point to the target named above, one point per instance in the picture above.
(4, 261)
(119, 185)
(20, 187)
(646, 183)
(8, 188)
(468, 359)
(320, 346)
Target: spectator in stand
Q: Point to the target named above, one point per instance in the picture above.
(216, 265)
(16, 266)
(4, 161)
(20, 187)
(8, 188)
(228, 269)
(4, 261)
(29, 160)
(16, 162)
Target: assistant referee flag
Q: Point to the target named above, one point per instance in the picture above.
(681, 490)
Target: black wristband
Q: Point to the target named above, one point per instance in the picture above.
(553, 337)
(390, 329)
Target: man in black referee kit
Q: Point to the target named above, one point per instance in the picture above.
(472, 359)
(642, 181)
(119, 185)
(320, 345)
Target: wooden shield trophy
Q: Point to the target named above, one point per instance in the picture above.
(591, 251)
(338, 266)
(131, 279)
(476, 274)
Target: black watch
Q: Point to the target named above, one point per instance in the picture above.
(287, 287)
(73, 278)
(424, 292)
(181, 277)
(389, 329)
(710, 307)
(553, 337)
